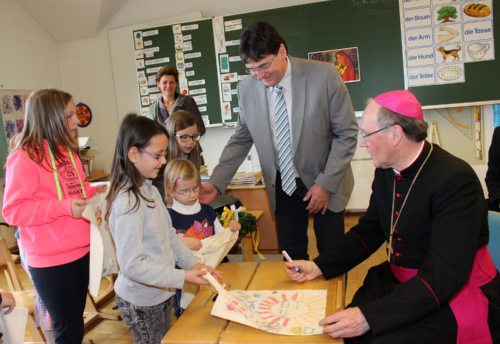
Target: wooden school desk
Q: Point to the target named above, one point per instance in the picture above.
(196, 325)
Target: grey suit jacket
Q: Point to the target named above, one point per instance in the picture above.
(324, 132)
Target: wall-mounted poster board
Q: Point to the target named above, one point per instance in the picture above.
(371, 28)
(12, 108)
(450, 51)
(188, 46)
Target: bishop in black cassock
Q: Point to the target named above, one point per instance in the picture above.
(439, 284)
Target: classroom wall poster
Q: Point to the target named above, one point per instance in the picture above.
(346, 60)
(12, 107)
(440, 36)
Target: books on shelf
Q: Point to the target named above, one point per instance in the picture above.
(247, 179)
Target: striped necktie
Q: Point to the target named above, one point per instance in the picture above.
(283, 142)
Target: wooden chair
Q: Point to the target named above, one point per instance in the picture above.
(93, 311)
(24, 298)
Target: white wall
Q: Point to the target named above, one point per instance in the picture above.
(87, 75)
(29, 58)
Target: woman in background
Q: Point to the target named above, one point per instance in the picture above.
(167, 80)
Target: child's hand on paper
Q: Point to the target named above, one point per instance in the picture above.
(234, 226)
(216, 273)
(192, 243)
(101, 188)
(8, 302)
(194, 276)
(198, 270)
(77, 207)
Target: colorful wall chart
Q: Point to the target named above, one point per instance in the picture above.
(188, 47)
(12, 110)
(439, 36)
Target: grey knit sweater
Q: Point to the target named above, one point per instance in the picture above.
(147, 249)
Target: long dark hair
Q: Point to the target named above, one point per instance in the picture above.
(45, 119)
(135, 131)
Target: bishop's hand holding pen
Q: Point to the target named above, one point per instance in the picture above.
(307, 270)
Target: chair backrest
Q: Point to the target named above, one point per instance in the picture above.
(494, 243)
(8, 266)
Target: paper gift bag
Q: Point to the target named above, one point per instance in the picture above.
(102, 248)
(213, 250)
(13, 325)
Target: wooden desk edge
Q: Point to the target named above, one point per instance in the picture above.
(205, 294)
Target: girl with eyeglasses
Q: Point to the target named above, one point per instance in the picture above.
(192, 220)
(184, 136)
(147, 247)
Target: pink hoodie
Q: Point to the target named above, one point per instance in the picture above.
(50, 235)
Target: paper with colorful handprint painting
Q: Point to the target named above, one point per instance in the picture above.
(288, 312)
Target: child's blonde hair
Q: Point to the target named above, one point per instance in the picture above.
(178, 170)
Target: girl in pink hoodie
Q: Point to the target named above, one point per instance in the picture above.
(45, 195)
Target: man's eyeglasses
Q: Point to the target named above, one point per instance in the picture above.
(364, 136)
(260, 68)
(186, 138)
(154, 155)
(187, 192)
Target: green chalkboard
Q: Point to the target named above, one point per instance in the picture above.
(373, 28)
(194, 55)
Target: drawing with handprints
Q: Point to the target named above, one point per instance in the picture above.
(288, 312)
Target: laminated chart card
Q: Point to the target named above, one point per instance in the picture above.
(287, 312)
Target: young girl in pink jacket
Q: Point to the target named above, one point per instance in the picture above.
(45, 195)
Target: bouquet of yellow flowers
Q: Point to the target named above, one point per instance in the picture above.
(247, 221)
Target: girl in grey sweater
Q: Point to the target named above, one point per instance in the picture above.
(147, 247)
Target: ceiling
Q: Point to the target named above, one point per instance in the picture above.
(69, 20)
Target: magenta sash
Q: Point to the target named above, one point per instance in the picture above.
(469, 305)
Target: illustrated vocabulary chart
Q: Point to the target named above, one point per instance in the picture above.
(440, 36)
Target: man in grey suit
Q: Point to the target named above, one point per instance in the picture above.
(305, 156)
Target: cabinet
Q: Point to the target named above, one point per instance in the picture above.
(97, 175)
(255, 198)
